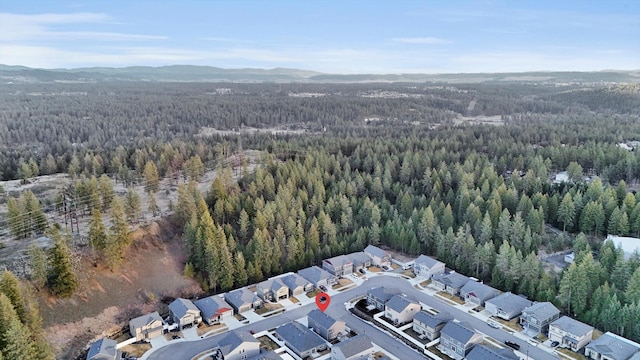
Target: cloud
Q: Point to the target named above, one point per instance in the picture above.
(421, 40)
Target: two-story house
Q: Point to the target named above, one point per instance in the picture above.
(507, 305)
(272, 290)
(378, 256)
(104, 349)
(378, 296)
(147, 326)
(570, 333)
(324, 325)
(242, 300)
(612, 347)
(297, 284)
(318, 277)
(339, 265)
(302, 341)
(426, 267)
(184, 313)
(428, 325)
(536, 318)
(477, 293)
(237, 345)
(451, 282)
(360, 260)
(483, 352)
(457, 339)
(401, 309)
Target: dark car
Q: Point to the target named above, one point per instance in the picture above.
(323, 288)
(554, 343)
(511, 344)
(362, 271)
(385, 268)
(252, 332)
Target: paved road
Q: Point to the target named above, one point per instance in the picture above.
(187, 350)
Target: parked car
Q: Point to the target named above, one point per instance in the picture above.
(494, 324)
(511, 344)
(362, 271)
(252, 332)
(385, 268)
(554, 343)
(533, 342)
(323, 288)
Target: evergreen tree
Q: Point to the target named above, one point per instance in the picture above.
(132, 206)
(153, 205)
(38, 262)
(97, 236)
(566, 212)
(239, 266)
(62, 279)
(151, 177)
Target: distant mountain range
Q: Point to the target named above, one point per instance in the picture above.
(191, 73)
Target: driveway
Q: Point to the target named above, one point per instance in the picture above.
(188, 349)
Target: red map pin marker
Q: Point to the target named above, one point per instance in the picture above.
(322, 300)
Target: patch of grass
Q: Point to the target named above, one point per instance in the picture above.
(293, 299)
(409, 273)
(312, 294)
(375, 269)
(425, 283)
(511, 324)
(341, 283)
(267, 344)
(267, 308)
(570, 354)
(453, 298)
(239, 317)
(204, 328)
(137, 349)
(394, 266)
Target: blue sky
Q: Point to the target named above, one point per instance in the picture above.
(344, 36)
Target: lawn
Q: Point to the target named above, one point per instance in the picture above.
(267, 344)
(313, 293)
(204, 328)
(425, 283)
(511, 324)
(267, 308)
(293, 299)
(453, 298)
(570, 354)
(136, 349)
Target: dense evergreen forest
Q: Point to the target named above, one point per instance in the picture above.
(384, 164)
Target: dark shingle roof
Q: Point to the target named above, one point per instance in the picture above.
(212, 306)
(398, 303)
(433, 320)
(231, 340)
(315, 274)
(572, 326)
(382, 293)
(458, 331)
(454, 280)
(103, 349)
(240, 297)
(509, 302)
(428, 261)
(542, 310)
(359, 257)
(338, 261)
(146, 319)
(375, 251)
(321, 318)
(179, 307)
(479, 290)
(614, 346)
(292, 281)
(482, 352)
(355, 345)
(299, 337)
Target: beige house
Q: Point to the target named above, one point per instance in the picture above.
(428, 326)
(147, 326)
(401, 310)
(184, 313)
(570, 333)
(272, 290)
(378, 256)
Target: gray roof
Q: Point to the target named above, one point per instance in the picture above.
(315, 274)
(428, 261)
(338, 261)
(454, 280)
(321, 318)
(509, 302)
(270, 355)
(179, 307)
(294, 280)
(359, 257)
(458, 331)
(146, 319)
(375, 251)
(542, 310)
(273, 284)
(355, 345)
(212, 306)
(614, 346)
(382, 293)
(398, 303)
(103, 349)
(482, 352)
(572, 326)
(240, 297)
(635, 357)
(479, 290)
(299, 337)
(231, 340)
(433, 320)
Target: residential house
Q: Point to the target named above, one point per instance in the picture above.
(477, 293)
(184, 313)
(318, 277)
(269, 355)
(356, 348)
(378, 297)
(427, 267)
(272, 290)
(147, 326)
(325, 325)
(338, 265)
(297, 284)
(451, 282)
(242, 300)
(428, 325)
(457, 339)
(378, 256)
(300, 339)
(214, 309)
(237, 345)
(570, 333)
(537, 317)
(483, 352)
(400, 309)
(507, 305)
(104, 349)
(612, 347)
(360, 260)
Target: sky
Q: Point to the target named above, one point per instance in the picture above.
(345, 36)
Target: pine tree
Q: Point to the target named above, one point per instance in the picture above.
(97, 236)
(153, 205)
(62, 279)
(152, 179)
(632, 294)
(105, 188)
(10, 286)
(132, 206)
(239, 266)
(38, 262)
(15, 218)
(566, 211)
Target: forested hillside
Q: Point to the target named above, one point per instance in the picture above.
(402, 165)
